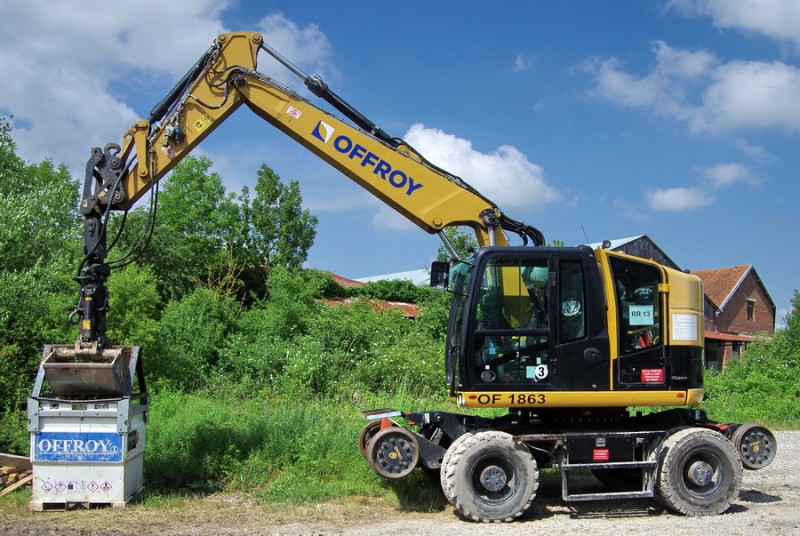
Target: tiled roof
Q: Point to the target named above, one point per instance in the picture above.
(720, 283)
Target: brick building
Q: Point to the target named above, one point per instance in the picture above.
(738, 310)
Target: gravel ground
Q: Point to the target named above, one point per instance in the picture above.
(769, 503)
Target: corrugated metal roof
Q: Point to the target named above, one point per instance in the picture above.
(409, 309)
(418, 277)
(616, 243)
(343, 281)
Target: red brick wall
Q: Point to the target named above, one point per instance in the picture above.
(734, 318)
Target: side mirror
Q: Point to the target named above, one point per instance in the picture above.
(440, 274)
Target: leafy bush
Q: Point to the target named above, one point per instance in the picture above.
(190, 336)
(135, 307)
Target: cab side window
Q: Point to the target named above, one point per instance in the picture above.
(638, 305)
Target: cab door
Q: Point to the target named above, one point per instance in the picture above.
(641, 361)
(581, 339)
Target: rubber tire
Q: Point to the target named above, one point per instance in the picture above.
(679, 452)
(446, 460)
(493, 453)
(369, 431)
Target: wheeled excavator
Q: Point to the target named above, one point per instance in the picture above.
(560, 343)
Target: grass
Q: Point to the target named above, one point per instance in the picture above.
(168, 513)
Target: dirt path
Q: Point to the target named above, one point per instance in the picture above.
(769, 503)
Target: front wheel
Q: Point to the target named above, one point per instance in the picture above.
(699, 473)
(489, 477)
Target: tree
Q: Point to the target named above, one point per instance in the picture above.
(205, 235)
(279, 231)
(39, 250)
(276, 230)
(39, 221)
(767, 372)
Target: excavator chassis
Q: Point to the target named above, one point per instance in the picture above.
(489, 467)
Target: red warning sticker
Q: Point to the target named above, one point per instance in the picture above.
(601, 455)
(653, 375)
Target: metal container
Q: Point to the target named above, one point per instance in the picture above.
(87, 448)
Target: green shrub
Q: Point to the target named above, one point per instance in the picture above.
(190, 336)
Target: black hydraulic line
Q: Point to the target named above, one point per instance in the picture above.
(160, 110)
(523, 229)
(318, 87)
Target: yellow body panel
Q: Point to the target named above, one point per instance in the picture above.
(575, 399)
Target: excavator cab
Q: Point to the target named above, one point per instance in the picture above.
(532, 326)
(521, 316)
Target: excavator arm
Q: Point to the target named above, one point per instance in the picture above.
(223, 79)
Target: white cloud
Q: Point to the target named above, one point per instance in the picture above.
(67, 66)
(777, 19)
(60, 60)
(615, 85)
(677, 199)
(713, 178)
(756, 152)
(521, 63)
(707, 94)
(750, 95)
(505, 175)
(681, 63)
(726, 174)
(663, 90)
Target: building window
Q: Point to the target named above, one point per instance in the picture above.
(751, 308)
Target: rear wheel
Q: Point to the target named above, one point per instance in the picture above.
(489, 477)
(756, 445)
(699, 473)
(393, 452)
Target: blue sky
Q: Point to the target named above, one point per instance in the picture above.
(679, 119)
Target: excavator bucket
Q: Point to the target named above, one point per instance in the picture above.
(72, 373)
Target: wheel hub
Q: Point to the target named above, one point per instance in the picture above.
(700, 473)
(493, 478)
